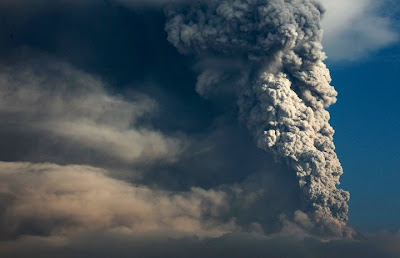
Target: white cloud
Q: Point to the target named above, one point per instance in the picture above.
(352, 29)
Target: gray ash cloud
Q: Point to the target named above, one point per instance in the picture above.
(282, 84)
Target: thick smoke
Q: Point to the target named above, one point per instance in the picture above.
(45, 199)
(271, 55)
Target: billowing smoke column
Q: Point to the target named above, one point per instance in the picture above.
(270, 52)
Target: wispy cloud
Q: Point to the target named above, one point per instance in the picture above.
(354, 29)
(53, 98)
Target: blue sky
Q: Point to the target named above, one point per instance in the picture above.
(366, 119)
(361, 40)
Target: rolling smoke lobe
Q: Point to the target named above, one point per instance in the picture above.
(269, 52)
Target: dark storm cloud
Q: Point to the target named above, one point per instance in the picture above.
(63, 110)
(118, 57)
(53, 112)
(126, 48)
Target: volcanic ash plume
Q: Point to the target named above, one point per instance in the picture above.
(282, 84)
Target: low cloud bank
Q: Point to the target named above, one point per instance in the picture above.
(124, 243)
(52, 200)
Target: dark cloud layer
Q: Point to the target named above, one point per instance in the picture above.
(125, 244)
(60, 113)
